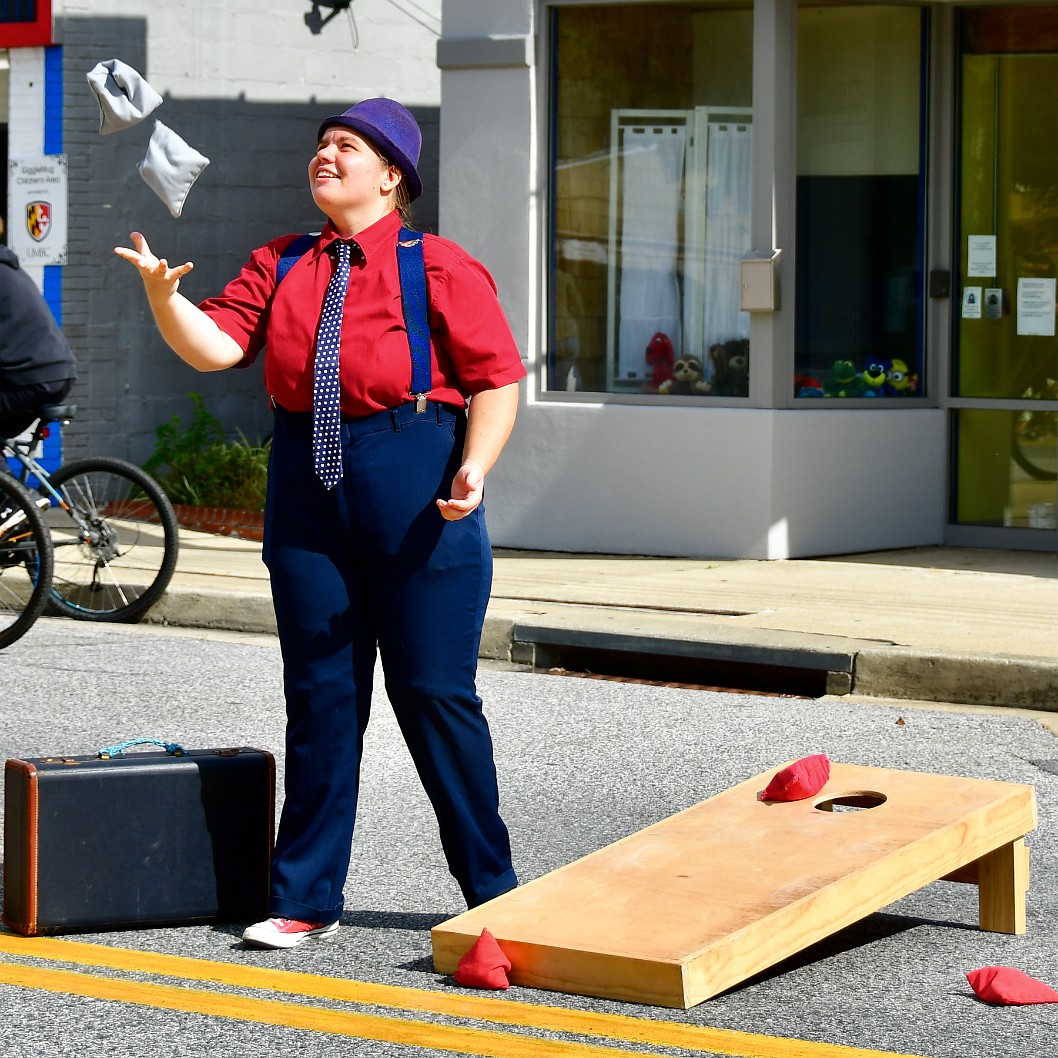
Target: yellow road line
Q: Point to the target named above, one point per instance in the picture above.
(490, 1008)
(310, 1019)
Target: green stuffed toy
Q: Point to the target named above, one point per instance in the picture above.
(843, 380)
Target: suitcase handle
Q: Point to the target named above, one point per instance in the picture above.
(174, 749)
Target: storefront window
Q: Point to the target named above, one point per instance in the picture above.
(859, 324)
(650, 199)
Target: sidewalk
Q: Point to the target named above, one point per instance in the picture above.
(935, 624)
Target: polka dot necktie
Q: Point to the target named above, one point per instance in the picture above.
(326, 383)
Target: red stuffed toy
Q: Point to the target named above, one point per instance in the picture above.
(661, 358)
(799, 780)
(484, 966)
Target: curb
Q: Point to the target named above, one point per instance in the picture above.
(845, 666)
(217, 610)
(969, 679)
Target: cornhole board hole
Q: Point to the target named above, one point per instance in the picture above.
(705, 899)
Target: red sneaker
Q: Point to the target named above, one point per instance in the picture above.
(286, 932)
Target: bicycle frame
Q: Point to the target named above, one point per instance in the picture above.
(108, 565)
(23, 453)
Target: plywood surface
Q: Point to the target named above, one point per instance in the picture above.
(704, 899)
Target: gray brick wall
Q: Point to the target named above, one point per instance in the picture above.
(254, 189)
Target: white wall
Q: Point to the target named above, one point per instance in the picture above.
(719, 482)
(857, 480)
(25, 113)
(639, 480)
(263, 51)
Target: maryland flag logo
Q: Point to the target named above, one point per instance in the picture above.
(38, 219)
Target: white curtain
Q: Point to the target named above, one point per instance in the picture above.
(649, 301)
(727, 231)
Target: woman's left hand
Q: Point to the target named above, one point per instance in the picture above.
(467, 488)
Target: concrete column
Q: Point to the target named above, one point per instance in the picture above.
(774, 192)
(489, 173)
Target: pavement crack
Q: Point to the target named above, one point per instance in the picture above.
(654, 608)
(1050, 766)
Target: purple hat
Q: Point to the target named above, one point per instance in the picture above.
(391, 128)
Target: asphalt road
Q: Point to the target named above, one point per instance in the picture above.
(582, 763)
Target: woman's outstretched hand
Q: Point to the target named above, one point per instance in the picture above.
(188, 331)
(159, 279)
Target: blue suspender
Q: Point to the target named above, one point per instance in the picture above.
(412, 269)
(293, 253)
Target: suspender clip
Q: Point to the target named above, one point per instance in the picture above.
(420, 403)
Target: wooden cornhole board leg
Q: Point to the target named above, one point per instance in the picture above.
(1002, 878)
(705, 899)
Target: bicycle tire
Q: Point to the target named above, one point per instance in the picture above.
(1023, 452)
(26, 561)
(116, 548)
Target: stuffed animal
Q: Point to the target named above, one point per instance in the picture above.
(843, 381)
(873, 377)
(730, 367)
(660, 357)
(686, 378)
(807, 386)
(899, 381)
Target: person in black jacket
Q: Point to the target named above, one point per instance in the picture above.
(37, 365)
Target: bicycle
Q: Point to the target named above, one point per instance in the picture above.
(114, 532)
(26, 559)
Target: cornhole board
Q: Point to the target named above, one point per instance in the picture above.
(702, 901)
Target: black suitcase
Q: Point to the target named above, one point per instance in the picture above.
(149, 839)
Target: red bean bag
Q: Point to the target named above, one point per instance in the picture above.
(1005, 986)
(485, 965)
(799, 780)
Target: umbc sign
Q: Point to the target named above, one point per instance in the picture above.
(25, 23)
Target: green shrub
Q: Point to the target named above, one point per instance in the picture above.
(198, 465)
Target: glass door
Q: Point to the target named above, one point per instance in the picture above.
(1005, 403)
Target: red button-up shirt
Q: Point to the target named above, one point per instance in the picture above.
(472, 348)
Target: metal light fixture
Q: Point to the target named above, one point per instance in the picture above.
(315, 21)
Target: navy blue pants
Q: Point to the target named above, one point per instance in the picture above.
(373, 565)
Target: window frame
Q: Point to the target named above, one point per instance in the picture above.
(547, 100)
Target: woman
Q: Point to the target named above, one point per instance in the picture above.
(374, 529)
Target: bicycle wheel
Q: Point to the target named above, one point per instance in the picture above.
(1034, 447)
(115, 544)
(25, 560)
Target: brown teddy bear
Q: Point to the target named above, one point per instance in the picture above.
(731, 367)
